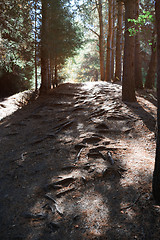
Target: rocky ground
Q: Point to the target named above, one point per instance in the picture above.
(77, 164)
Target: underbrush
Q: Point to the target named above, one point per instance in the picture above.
(13, 82)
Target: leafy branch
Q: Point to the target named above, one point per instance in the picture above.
(140, 22)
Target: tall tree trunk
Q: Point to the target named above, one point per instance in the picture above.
(109, 42)
(128, 83)
(49, 74)
(138, 61)
(156, 173)
(44, 52)
(55, 76)
(52, 69)
(35, 45)
(118, 71)
(150, 78)
(113, 41)
(101, 39)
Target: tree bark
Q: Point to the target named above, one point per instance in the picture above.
(118, 71)
(156, 173)
(109, 42)
(35, 45)
(44, 52)
(150, 78)
(101, 39)
(52, 69)
(113, 41)
(55, 76)
(128, 83)
(49, 74)
(138, 61)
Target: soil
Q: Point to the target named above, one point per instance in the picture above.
(77, 164)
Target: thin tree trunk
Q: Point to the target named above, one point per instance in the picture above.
(101, 39)
(156, 173)
(35, 46)
(52, 67)
(118, 71)
(138, 61)
(113, 41)
(150, 78)
(109, 42)
(55, 76)
(128, 83)
(49, 74)
(44, 52)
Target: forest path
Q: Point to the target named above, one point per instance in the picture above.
(77, 164)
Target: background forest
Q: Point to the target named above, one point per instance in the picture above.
(82, 160)
(76, 41)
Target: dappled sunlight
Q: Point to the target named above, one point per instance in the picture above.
(80, 126)
(138, 159)
(83, 165)
(95, 213)
(97, 87)
(11, 104)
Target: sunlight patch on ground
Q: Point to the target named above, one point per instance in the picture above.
(80, 126)
(95, 86)
(11, 104)
(95, 212)
(139, 158)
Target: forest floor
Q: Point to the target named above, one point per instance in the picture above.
(77, 164)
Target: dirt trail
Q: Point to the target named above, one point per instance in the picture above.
(77, 164)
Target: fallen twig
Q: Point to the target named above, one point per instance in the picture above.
(63, 126)
(109, 155)
(79, 153)
(131, 205)
(50, 198)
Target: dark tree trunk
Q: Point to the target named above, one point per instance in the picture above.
(138, 61)
(49, 74)
(101, 39)
(128, 83)
(55, 76)
(118, 71)
(44, 55)
(52, 68)
(156, 173)
(35, 45)
(150, 78)
(109, 42)
(113, 41)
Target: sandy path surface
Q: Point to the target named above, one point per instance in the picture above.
(77, 164)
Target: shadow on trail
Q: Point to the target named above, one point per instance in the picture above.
(38, 152)
(147, 117)
(149, 94)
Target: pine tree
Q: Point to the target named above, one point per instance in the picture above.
(119, 37)
(128, 83)
(44, 54)
(16, 40)
(60, 38)
(138, 60)
(150, 78)
(156, 173)
(109, 42)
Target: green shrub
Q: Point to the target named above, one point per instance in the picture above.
(12, 82)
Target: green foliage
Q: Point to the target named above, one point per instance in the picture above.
(84, 66)
(16, 44)
(132, 31)
(64, 36)
(140, 22)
